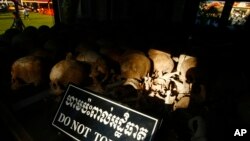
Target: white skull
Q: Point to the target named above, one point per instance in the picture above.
(186, 67)
(162, 61)
(134, 66)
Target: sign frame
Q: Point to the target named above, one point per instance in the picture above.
(80, 124)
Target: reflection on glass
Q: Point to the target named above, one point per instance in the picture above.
(209, 13)
(239, 13)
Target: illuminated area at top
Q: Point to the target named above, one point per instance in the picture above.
(239, 13)
(209, 13)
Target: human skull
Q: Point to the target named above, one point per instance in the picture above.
(134, 66)
(88, 56)
(162, 62)
(187, 66)
(28, 70)
(99, 69)
(68, 71)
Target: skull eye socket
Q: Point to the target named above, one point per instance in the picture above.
(54, 85)
(19, 80)
(59, 86)
(13, 80)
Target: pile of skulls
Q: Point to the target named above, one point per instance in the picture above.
(155, 74)
(169, 82)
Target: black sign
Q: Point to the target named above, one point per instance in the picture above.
(85, 116)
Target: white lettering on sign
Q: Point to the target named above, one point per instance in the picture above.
(63, 119)
(121, 124)
(240, 132)
(79, 128)
(79, 117)
(100, 137)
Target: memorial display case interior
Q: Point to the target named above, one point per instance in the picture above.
(182, 62)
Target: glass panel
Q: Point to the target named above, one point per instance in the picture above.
(209, 13)
(239, 14)
(32, 13)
